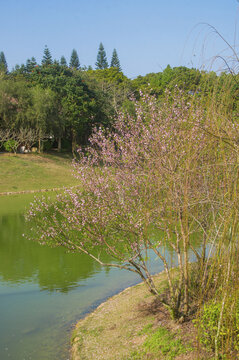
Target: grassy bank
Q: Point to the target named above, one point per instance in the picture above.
(133, 326)
(24, 172)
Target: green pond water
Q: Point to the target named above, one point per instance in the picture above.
(44, 291)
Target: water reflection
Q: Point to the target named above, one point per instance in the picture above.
(43, 291)
(22, 260)
(53, 269)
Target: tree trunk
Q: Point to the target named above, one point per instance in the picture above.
(39, 145)
(73, 144)
(186, 279)
(59, 144)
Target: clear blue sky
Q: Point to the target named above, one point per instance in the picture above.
(147, 34)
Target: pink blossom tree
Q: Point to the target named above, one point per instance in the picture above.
(144, 189)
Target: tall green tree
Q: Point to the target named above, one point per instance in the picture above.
(74, 60)
(3, 62)
(15, 103)
(43, 111)
(47, 58)
(76, 106)
(30, 64)
(115, 86)
(63, 61)
(101, 62)
(115, 60)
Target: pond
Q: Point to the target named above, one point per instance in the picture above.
(44, 291)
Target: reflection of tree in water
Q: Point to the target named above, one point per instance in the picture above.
(53, 269)
(22, 260)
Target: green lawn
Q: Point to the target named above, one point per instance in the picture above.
(35, 171)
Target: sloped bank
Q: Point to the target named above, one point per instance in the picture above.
(132, 325)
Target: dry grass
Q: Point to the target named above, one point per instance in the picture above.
(115, 330)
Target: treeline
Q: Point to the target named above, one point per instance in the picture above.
(101, 63)
(54, 104)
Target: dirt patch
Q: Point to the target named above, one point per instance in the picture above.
(118, 328)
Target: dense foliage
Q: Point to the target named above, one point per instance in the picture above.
(62, 104)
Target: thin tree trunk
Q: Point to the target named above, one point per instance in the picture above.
(222, 310)
(185, 237)
(73, 144)
(185, 251)
(59, 144)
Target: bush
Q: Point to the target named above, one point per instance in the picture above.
(47, 145)
(66, 145)
(228, 340)
(10, 146)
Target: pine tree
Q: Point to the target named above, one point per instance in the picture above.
(47, 58)
(74, 61)
(63, 61)
(19, 69)
(30, 64)
(3, 62)
(101, 62)
(115, 61)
